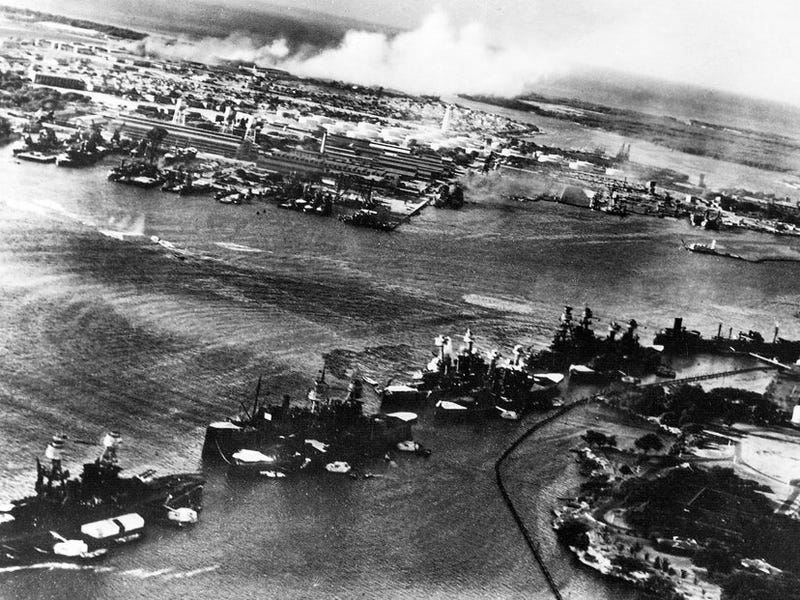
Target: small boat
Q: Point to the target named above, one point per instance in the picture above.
(232, 199)
(317, 445)
(273, 474)
(412, 446)
(252, 457)
(142, 181)
(36, 156)
(510, 415)
(338, 466)
(630, 379)
(182, 516)
(448, 409)
(119, 530)
(402, 393)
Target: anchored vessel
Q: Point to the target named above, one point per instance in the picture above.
(371, 219)
(273, 440)
(467, 384)
(82, 517)
(677, 339)
(586, 355)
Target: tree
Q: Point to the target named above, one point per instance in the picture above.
(649, 442)
(574, 533)
(717, 558)
(650, 402)
(597, 438)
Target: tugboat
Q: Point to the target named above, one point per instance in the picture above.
(711, 248)
(285, 438)
(83, 517)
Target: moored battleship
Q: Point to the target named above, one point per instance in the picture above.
(467, 384)
(577, 347)
(82, 517)
(274, 440)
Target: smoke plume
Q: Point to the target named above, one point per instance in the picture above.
(212, 50)
(436, 58)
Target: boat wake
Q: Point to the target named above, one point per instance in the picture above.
(56, 566)
(237, 247)
(119, 229)
(192, 573)
(168, 573)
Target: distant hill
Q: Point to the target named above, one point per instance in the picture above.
(664, 98)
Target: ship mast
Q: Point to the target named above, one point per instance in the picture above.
(54, 479)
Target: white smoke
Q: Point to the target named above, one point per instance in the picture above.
(436, 58)
(211, 50)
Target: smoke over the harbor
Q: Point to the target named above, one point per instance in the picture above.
(437, 57)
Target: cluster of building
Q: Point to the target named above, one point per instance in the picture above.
(381, 138)
(267, 116)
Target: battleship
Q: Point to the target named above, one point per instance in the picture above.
(576, 347)
(274, 440)
(466, 384)
(83, 517)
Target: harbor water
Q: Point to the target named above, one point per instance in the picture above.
(155, 314)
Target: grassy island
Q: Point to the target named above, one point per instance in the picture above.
(676, 513)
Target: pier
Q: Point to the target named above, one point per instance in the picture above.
(533, 546)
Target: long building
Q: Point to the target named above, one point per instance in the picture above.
(211, 142)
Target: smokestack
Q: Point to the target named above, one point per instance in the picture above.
(719, 331)
(676, 328)
(775, 337)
